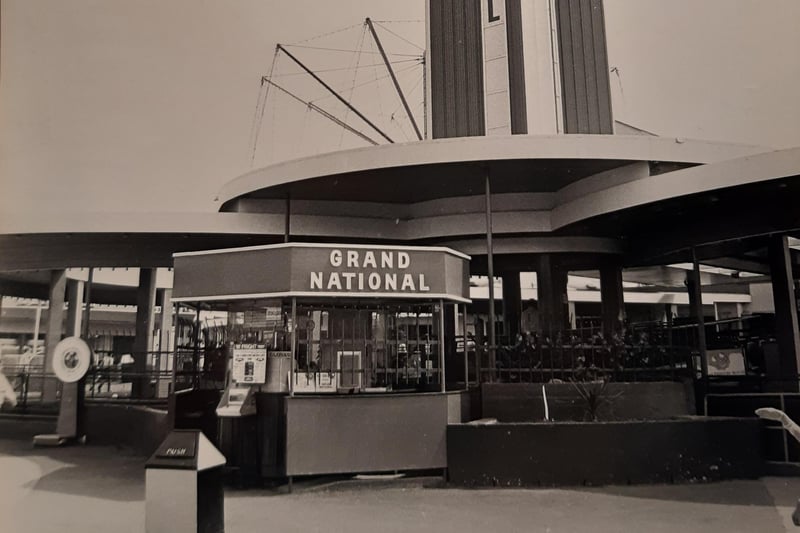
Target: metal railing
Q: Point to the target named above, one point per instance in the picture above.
(779, 446)
(652, 351)
(542, 363)
(114, 378)
(35, 389)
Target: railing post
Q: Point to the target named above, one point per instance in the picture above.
(466, 348)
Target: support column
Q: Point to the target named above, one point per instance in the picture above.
(490, 274)
(512, 305)
(70, 415)
(786, 329)
(572, 316)
(293, 363)
(466, 345)
(36, 327)
(441, 335)
(164, 343)
(552, 294)
(75, 307)
(288, 221)
(670, 312)
(87, 311)
(143, 342)
(693, 284)
(612, 301)
(449, 314)
(53, 329)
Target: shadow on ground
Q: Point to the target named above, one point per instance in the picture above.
(738, 492)
(97, 471)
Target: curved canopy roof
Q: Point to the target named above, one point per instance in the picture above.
(420, 171)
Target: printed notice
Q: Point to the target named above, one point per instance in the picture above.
(250, 365)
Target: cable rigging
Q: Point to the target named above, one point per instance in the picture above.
(269, 81)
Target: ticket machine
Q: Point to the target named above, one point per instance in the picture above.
(236, 421)
(247, 371)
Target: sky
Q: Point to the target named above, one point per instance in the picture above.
(120, 106)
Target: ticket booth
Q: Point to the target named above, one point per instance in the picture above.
(338, 349)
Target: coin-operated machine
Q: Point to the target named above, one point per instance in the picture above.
(237, 434)
(247, 371)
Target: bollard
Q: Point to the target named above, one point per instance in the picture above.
(183, 486)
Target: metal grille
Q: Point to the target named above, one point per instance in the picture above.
(368, 348)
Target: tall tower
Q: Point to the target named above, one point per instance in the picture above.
(499, 67)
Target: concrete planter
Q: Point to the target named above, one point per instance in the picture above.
(680, 450)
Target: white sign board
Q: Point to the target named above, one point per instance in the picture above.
(71, 359)
(726, 362)
(320, 381)
(249, 365)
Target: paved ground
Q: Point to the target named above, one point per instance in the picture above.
(97, 489)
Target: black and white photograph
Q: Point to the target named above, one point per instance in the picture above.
(367, 266)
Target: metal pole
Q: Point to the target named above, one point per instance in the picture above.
(441, 345)
(294, 348)
(425, 93)
(196, 353)
(175, 345)
(334, 93)
(490, 267)
(37, 326)
(34, 350)
(322, 112)
(394, 78)
(288, 217)
(466, 349)
(701, 327)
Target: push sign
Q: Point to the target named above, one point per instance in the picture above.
(178, 450)
(183, 485)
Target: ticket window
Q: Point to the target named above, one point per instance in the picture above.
(383, 348)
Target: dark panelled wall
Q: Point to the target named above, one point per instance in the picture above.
(584, 66)
(456, 58)
(516, 67)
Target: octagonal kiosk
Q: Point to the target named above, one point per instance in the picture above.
(354, 338)
(183, 486)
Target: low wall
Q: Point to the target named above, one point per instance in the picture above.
(365, 433)
(523, 402)
(600, 453)
(25, 427)
(139, 428)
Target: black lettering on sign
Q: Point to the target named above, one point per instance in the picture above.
(492, 16)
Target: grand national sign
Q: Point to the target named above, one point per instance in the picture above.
(302, 270)
(371, 270)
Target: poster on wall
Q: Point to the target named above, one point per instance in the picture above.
(726, 362)
(249, 365)
(273, 317)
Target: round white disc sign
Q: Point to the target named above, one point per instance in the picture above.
(71, 359)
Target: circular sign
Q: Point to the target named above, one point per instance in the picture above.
(720, 360)
(71, 359)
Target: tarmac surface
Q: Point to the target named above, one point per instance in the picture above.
(98, 489)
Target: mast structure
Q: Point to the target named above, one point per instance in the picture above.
(334, 93)
(321, 111)
(394, 78)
